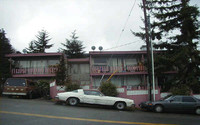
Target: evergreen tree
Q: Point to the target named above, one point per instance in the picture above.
(32, 47)
(5, 48)
(41, 44)
(73, 47)
(61, 74)
(176, 26)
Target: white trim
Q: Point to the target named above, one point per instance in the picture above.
(12, 93)
(139, 92)
(120, 90)
(52, 84)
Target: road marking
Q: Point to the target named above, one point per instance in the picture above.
(82, 119)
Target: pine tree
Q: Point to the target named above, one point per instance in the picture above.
(73, 47)
(41, 44)
(5, 48)
(176, 26)
(32, 47)
(61, 74)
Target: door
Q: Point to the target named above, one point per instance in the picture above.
(91, 97)
(174, 104)
(189, 104)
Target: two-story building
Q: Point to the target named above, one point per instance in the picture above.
(34, 65)
(127, 67)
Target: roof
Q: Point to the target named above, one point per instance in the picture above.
(118, 52)
(33, 54)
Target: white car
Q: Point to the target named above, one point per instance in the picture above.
(93, 97)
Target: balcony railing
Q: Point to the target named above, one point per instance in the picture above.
(34, 71)
(119, 69)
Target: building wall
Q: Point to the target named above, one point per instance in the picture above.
(105, 65)
(80, 73)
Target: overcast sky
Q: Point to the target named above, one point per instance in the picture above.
(98, 22)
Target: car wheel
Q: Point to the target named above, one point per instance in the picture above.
(73, 101)
(197, 111)
(158, 108)
(120, 105)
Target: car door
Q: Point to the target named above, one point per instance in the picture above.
(189, 103)
(90, 97)
(174, 104)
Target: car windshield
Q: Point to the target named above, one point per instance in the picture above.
(15, 82)
(197, 98)
(168, 98)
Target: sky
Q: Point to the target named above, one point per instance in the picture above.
(97, 22)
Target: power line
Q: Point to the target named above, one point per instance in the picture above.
(126, 23)
(122, 45)
(120, 37)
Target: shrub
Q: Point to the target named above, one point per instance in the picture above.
(180, 90)
(72, 86)
(108, 89)
(43, 88)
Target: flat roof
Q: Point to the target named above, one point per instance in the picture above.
(119, 52)
(33, 54)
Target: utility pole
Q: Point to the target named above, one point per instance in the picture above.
(148, 50)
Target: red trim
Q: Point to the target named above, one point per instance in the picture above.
(118, 52)
(123, 73)
(33, 54)
(44, 75)
(79, 60)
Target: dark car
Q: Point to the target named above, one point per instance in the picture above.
(20, 87)
(174, 103)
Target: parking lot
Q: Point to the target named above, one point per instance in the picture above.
(37, 111)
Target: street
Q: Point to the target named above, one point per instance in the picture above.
(14, 111)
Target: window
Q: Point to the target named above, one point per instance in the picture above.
(176, 99)
(96, 93)
(100, 60)
(75, 91)
(188, 99)
(15, 82)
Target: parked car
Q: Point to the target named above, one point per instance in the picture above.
(20, 87)
(93, 97)
(174, 103)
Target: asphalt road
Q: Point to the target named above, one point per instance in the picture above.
(42, 112)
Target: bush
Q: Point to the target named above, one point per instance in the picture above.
(108, 89)
(43, 88)
(180, 90)
(72, 86)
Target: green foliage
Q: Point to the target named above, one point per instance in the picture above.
(72, 86)
(32, 47)
(180, 90)
(108, 89)
(61, 74)
(43, 88)
(5, 48)
(73, 47)
(41, 44)
(176, 27)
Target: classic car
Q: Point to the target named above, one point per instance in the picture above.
(93, 97)
(174, 103)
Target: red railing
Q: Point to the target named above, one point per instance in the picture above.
(111, 69)
(34, 71)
